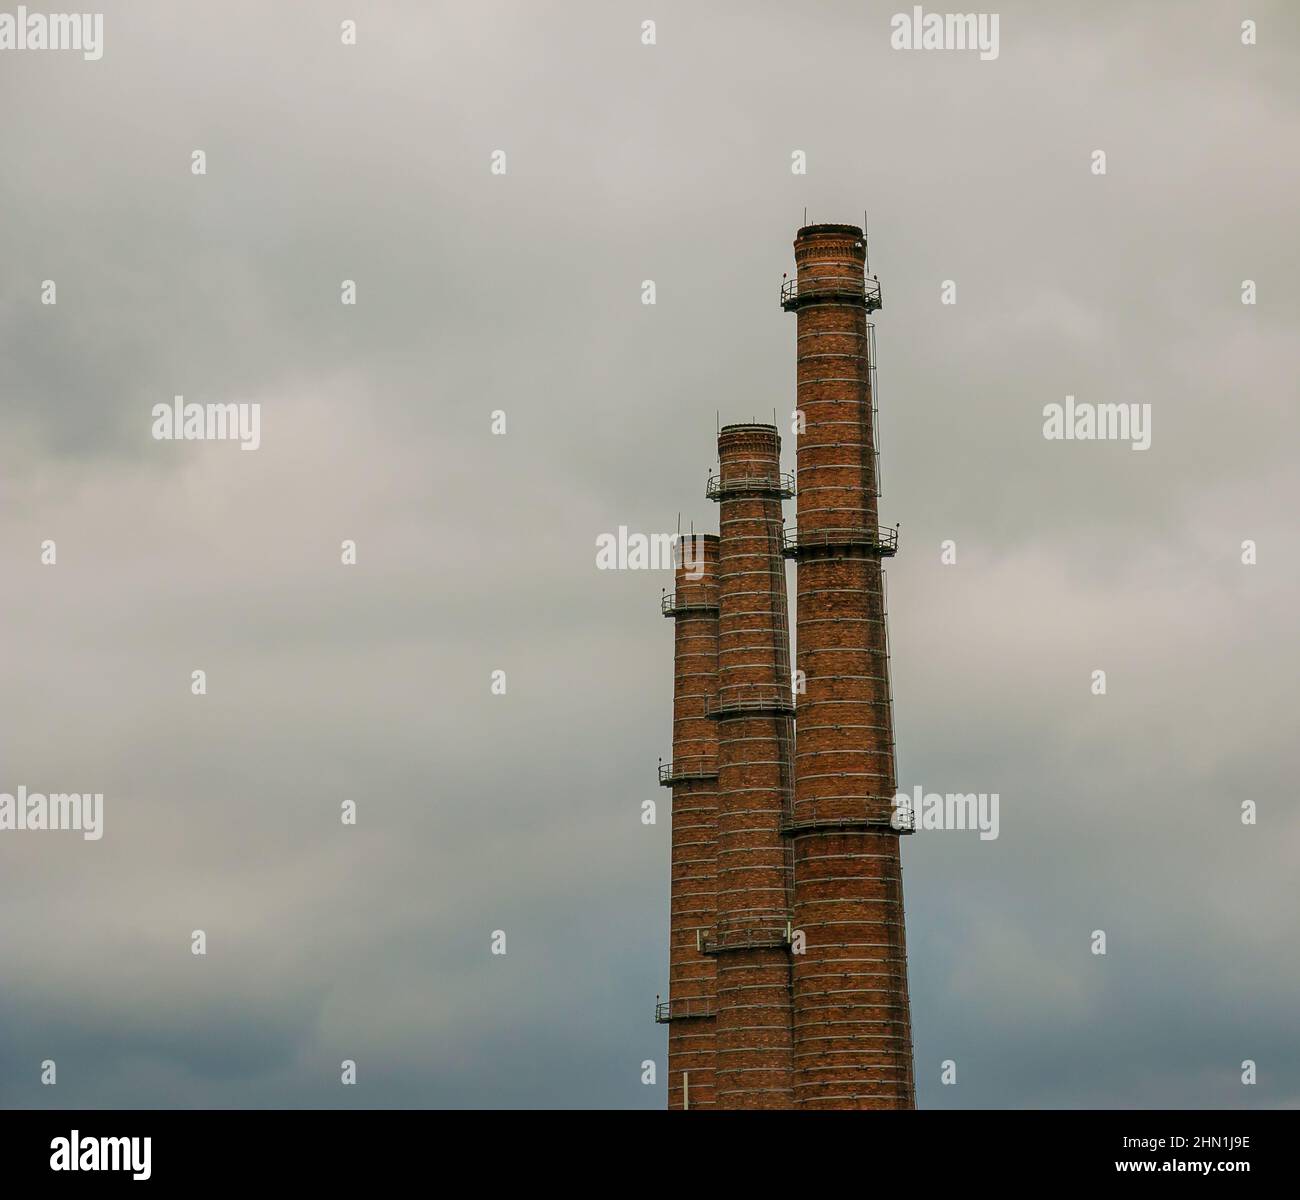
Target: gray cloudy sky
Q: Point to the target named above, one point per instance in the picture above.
(522, 292)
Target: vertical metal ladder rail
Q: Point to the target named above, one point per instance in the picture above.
(875, 406)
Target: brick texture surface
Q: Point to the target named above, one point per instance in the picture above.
(755, 776)
(852, 1028)
(692, 975)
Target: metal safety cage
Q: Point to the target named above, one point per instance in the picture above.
(673, 604)
(753, 698)
(899, 820)
(833, 288)
(696, 766)
(754, 935)
(689, 1008)
(882, 540)
(780, 486)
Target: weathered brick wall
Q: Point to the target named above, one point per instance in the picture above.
(692, 975)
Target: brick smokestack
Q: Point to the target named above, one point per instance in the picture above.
(754, 713)
(852, 1025)
(693, 777)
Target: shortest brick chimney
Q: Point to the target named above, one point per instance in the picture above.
(693, 776)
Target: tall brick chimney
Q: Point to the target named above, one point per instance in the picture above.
(693, 777)
(754, 713)
(852, 1024)
(809, 1006)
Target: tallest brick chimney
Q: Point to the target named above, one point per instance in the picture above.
(852, 1024)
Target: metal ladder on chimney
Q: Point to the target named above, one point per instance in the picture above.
(875, 405)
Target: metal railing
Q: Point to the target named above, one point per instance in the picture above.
(750, 697)
(883, 540)
(831, 287)
(693, 766)
(781, 485)
(672, 603)
(689, 1008)
(900, 820)
(754, 936)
